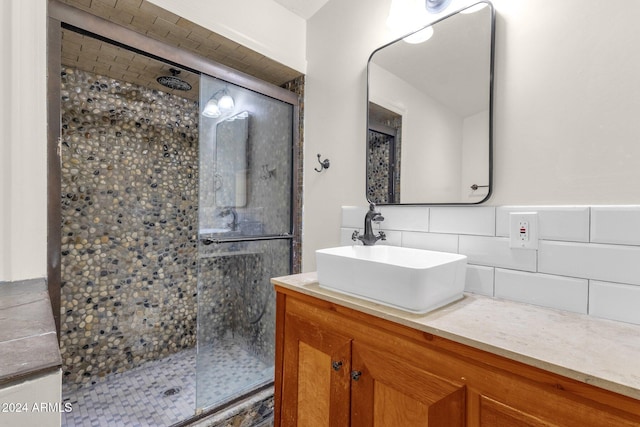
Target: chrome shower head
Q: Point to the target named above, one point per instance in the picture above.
(173, 82)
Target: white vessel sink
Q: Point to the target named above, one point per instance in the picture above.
(410, 279)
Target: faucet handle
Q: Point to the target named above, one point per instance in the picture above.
(354, 235)
(382, 236)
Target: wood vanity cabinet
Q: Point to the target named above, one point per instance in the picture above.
(336, 366)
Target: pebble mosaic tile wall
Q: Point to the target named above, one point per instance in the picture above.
(378, 168)
(379, 150)
(129, 231)
(236, 296)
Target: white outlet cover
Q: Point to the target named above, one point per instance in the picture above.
(515, 220)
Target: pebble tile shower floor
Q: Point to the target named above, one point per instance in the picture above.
(160, 393)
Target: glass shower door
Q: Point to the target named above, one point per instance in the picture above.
(245, 236)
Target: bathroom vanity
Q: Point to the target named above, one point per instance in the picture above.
(480, 361)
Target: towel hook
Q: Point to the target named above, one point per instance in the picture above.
(323, 164)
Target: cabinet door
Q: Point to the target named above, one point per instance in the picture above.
(316, 367)
(388, 391)
(496, 414)
(520, 403)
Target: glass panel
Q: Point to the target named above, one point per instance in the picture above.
(245, 195)
(236, 317)
(246, 162)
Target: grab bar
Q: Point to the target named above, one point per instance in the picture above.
(207, 241)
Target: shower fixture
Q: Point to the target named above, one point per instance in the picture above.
(216, 106)
(173, 82)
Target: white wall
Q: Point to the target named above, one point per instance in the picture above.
(39, 402)
(263, 26)
(340, 38)
(425, 167)
(567, 102)
(23, 154)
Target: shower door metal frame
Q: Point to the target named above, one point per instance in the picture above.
(61, 15)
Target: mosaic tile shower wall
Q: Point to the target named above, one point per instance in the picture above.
(384, 149)
(236, 297)
(378, 172)
(129, 231)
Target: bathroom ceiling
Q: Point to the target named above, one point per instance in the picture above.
(303, 8)
(146, 18)
(105, 59)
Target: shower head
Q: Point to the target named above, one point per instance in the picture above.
(173, 82)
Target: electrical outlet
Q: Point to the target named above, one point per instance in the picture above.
(523, 230)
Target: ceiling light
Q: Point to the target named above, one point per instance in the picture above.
(420, 36)
(226, 103)
(436, 6)
(211, 110)
(406, 16)
(215, 106)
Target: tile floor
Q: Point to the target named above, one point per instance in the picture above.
(163, 392)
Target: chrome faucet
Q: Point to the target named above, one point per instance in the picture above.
(368, 238)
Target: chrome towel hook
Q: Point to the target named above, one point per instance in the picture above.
(324, 164)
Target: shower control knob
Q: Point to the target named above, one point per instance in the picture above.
(355, 375)
(336, 365)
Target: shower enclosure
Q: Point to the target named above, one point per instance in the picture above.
(173, 222)
(245, 237)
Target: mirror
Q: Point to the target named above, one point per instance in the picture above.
(429, 119)
(232, 136)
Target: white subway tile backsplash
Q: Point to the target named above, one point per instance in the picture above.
(559, 292)
(353, 216)
(430, 241)
(410, 218)
(463, 220)
(614, 301)
(495, 252)
(588, 258)
(615, 224)
(590, 261)
(479, 280)
(393, 238)
(565, 223)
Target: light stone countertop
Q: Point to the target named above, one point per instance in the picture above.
(601, 352)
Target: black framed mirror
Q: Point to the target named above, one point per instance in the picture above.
(429, 122)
